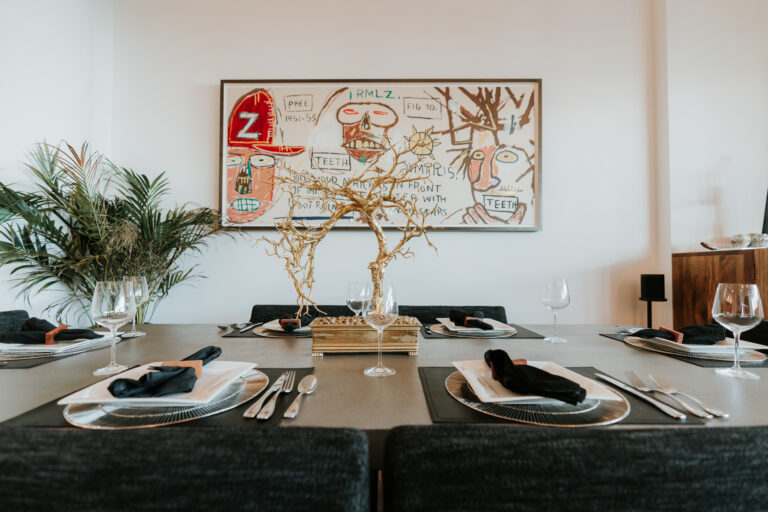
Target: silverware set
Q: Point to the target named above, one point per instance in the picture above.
(640, 389)
(283, 384)
(241, 327)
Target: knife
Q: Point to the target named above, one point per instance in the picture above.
(250, 326)
(254, 409)
(671, 411)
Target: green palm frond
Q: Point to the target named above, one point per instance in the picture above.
(89, 220)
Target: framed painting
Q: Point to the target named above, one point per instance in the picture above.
(478, 141)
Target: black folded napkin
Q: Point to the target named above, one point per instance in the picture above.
(293, 323)
(164, 380)
(462, 318)
(529, 380)
(692, 334)
(35, 329)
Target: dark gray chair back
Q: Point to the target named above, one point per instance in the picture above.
(11, 321)
(427, 315)
(268, 312)
(277, 469)
(488, 468)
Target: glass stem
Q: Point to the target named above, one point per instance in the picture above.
(381, 334)
(555, 312)
(133, 324)
(113, 359)
(736, 365)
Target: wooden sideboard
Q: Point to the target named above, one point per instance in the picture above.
(695, 276)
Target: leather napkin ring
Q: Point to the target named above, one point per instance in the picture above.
(518, 362)
(290, 321)
(677, 334)
(50, 335)
(197, 364)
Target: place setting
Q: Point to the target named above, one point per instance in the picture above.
(198, 387)
(710, 345)
(499, 389)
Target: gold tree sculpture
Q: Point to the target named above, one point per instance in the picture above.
(372, 194)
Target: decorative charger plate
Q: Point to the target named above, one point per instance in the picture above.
(441, 329)
(589, 413)
(750, 356)
(120, 417)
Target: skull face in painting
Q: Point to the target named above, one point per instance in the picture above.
(250, 183)
(365, 127)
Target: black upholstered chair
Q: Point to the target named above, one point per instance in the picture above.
(428, 315)
(11, 321)
(268, 312)
(184, 469)
(481, 467)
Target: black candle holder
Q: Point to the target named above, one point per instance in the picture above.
(652, 290)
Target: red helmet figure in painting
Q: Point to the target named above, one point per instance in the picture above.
(252, 156)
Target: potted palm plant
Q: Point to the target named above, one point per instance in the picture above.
(88, 220)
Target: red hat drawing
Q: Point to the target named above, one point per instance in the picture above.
(252, 124)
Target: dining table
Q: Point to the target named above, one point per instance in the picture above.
(345, 397)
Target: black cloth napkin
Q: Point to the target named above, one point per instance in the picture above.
(35, 329)
(529, 380)
(164, 380)
(293, 323)
(692, 334)
(462, 318)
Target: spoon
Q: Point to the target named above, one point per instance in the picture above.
(307, 386)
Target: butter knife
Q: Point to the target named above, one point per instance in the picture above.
(254, 409)
(250, 326)
(671, 411)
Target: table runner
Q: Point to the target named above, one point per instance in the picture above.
(443, 408)
(522, 333)
(706, 363)
(50, 415)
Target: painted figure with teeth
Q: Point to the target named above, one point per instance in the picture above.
(364, 127)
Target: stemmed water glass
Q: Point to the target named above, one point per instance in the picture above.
(357, 295)
(738, 308)
(112, 306)
(140, 296)
(556, 297)
(380, 314)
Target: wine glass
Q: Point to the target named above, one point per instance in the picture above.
(141, 296)
(357, 294)
(112, 306)
(556, 297)
(380, 314)
(738, 308)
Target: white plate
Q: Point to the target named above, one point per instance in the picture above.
(744, 355)
(217, 375)
(721, 347)
(53, 349)
(498, 327)
(274, 325)
(488, 390)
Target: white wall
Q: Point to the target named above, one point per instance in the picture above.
(718, 118)
(55, 84)
(605, 85)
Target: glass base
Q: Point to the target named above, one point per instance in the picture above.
(133, 334)
(555, 339)
(737, 373)
(379, 371)
(110, 370)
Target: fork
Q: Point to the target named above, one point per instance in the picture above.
(640, 386)
(665, 385)
(268, 410)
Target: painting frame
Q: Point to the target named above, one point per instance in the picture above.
(270, 84)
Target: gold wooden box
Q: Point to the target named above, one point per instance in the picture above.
(351, 334)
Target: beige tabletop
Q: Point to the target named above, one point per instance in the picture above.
(347, 398)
